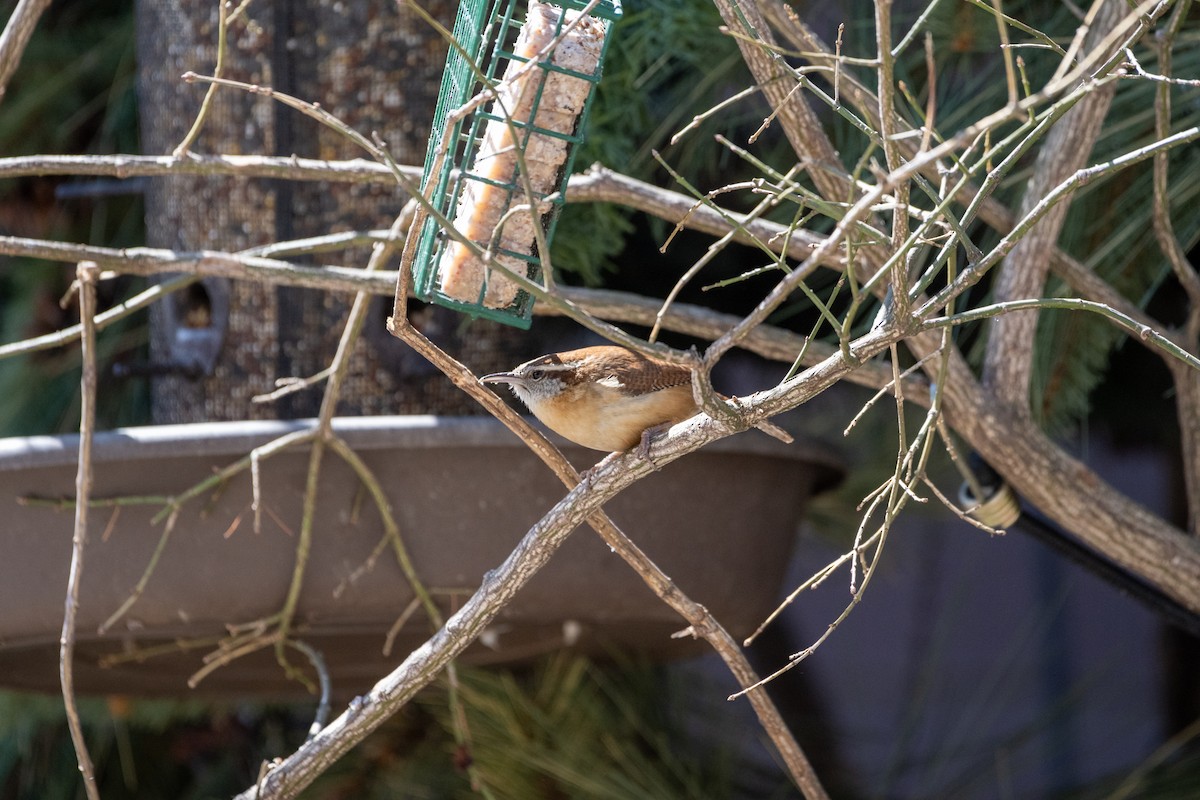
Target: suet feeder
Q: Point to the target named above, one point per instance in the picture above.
(512, 109)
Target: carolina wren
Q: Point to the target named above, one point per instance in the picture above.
(607, 397)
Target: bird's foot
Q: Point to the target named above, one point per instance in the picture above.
(585, 477)
(648, 436)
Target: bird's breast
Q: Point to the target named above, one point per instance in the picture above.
(606, 418)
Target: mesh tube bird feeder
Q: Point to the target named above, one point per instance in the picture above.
(513, 106)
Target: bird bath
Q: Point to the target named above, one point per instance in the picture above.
(720, 522)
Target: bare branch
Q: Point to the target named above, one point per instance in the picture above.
(291, 168)
(1187, 383)
(154, 261)
(1009, 361)
(16, 35)
(801, 126)
(888, 132)
(600, 184)
(83, 487)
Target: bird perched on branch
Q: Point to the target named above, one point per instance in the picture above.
(606, 397)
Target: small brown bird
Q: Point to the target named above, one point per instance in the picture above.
(605, 397)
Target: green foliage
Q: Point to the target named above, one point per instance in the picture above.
(74, 92)
(131, 744)
(75, 89)
(576, 731)
(667, 62)
(42, 389)
(564, 729)
(588, 239)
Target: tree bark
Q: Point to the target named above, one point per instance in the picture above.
(1008, 364)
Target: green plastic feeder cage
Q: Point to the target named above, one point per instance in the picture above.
(497, 164)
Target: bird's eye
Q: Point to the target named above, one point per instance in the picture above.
(537, 374)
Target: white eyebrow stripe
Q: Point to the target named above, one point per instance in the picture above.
(611, 381)
(547, 367)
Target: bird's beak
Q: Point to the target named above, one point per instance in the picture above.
(501, 377)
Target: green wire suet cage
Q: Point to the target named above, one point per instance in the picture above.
(498, 161)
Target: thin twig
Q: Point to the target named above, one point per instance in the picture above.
(887, 132)
(16, 35)
(974, 272)
(206, 104)
(390, 640)
(323, 681)
(1164, 77)
(1146, 334)
(339, 366)
(102, 321)
(87, 273)
(721, 106)
(227, 653)
(140, 587)
(286, 386)
(391, 528)
(1010, 74)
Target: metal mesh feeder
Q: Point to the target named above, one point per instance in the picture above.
(498, 160)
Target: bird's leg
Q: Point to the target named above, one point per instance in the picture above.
(643, 448)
